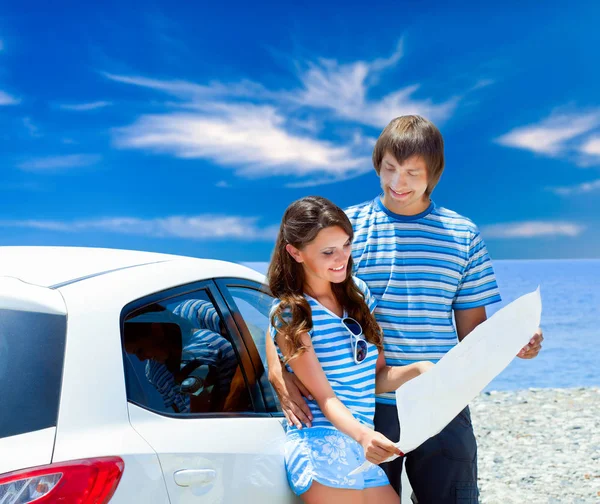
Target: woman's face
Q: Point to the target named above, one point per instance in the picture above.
(326, 257)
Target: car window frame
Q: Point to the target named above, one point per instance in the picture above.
(223, 284)
(242, 355)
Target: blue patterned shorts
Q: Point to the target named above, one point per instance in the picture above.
(327, 456)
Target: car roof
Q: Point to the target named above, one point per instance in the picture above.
(54, 266)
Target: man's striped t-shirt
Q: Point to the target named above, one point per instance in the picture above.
(201, 341)
(419, 268)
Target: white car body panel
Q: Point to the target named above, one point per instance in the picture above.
(245, 456)
(142, 481)
(52, 266)
(49, 266)
(26, 450)
(18, 295)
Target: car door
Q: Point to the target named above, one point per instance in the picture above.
(205, 416)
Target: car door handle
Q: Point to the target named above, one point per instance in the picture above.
(194, 477)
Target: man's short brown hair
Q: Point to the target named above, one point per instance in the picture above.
(408, 136)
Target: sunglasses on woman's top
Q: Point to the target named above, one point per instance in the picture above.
(360, 348)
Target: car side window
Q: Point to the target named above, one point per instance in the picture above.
(181, 359)
(254, 305)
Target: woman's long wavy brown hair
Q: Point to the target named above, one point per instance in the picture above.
(301, 223)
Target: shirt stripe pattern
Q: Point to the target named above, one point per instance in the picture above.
(420, 268)
(203, 343)
(353, 384)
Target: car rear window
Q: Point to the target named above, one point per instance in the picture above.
(32, 348)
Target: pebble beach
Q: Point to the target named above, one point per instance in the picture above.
(538, 445)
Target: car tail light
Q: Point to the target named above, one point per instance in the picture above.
(87, 481)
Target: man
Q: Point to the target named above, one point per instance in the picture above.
(424, 264)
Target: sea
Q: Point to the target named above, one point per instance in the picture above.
(570, 290)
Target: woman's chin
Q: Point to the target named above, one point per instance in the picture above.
(337, 276)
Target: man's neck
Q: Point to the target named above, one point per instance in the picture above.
(407, 211)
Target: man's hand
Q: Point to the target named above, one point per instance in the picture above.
(534, 346)
(291, 394)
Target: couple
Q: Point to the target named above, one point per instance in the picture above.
(340, 345)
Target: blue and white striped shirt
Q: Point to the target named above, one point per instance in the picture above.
(353, 384)
(419, 268)
(201, 341)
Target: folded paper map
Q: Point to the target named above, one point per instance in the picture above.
(429, 402)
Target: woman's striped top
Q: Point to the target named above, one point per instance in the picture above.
(353, 384)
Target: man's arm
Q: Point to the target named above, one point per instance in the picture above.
(288, 388)
(238, 391)
(469, 319)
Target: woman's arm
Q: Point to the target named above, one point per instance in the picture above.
(289, 390)
(390, 378)
(308, 369)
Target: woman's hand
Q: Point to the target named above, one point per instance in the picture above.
(377, 447)
(390, 378)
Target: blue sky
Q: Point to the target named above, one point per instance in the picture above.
(189, 127)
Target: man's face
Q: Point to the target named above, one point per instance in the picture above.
(404, 185)
(152, 347)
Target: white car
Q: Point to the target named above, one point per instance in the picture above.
(133, 377)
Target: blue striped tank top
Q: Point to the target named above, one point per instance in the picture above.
(353, 384)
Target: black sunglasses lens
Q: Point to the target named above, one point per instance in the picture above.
(353, 327)
(361, 350)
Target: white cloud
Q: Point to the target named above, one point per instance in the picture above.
(532, 229)
(84, 107)
(59, 163)
(558, 134)
(194, 92)
(262, 132)
(31, 128)
(591, 147)
(250, 138)
(483, 83)
(344, 89)
(197, 227)
(329, 179)
(6, 99)
(584, 188)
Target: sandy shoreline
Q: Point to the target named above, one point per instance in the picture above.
(538, 445)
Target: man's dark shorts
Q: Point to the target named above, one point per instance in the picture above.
(443, 470)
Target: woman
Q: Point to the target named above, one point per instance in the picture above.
(323, 326)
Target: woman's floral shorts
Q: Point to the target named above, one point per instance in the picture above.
(326, 455)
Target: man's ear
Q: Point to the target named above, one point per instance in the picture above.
(294, 252)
